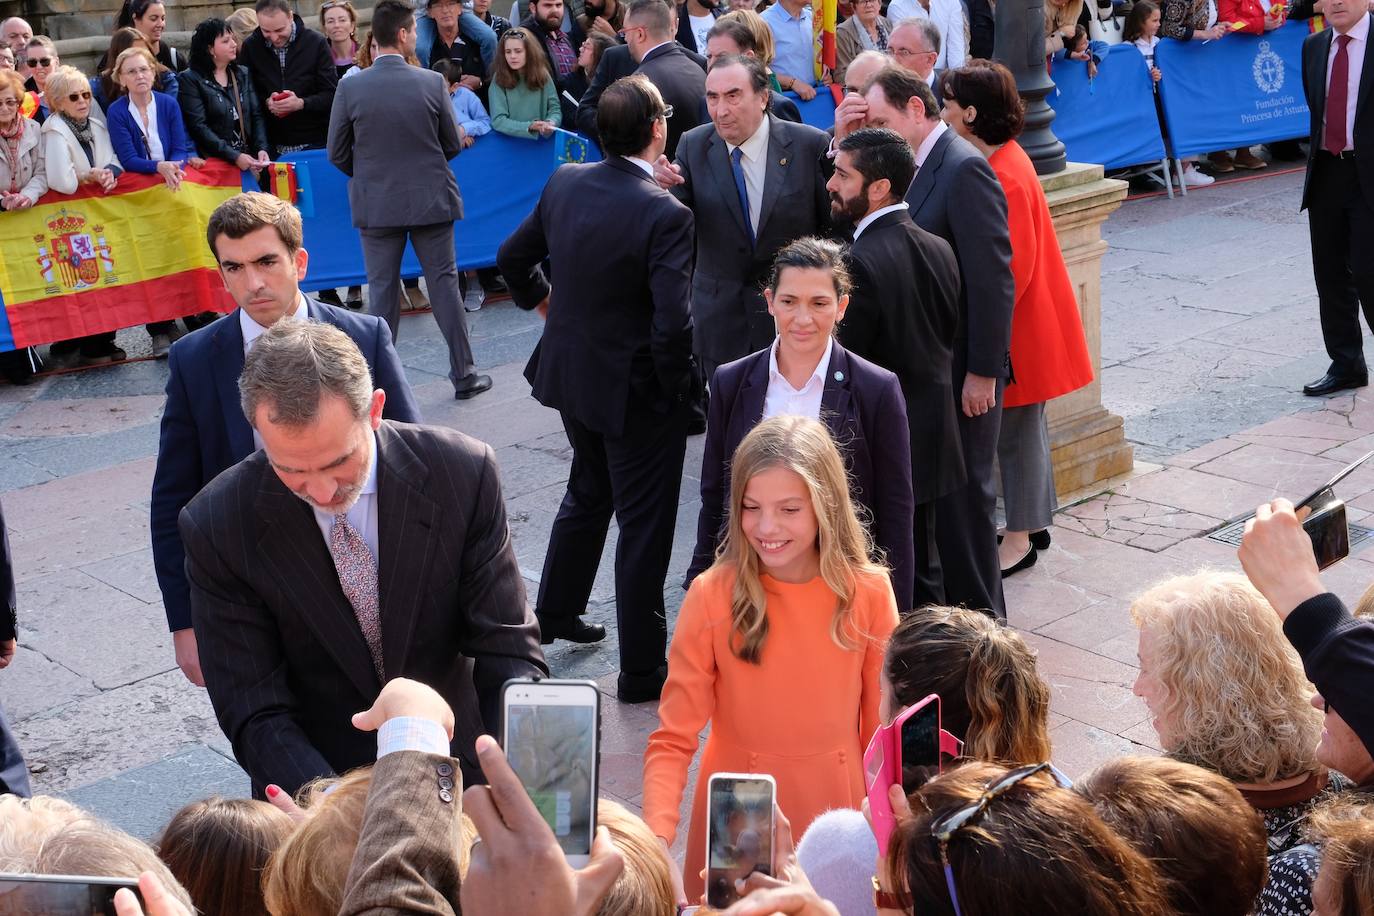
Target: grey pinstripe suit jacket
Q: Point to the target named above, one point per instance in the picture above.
(284, 660)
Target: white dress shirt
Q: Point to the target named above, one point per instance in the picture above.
(150, 134)
(782, 399)
(948, 16)
(754, 163)
(863, 223)
(648, 167)
(251, 332)
(928, 143)
(363, 515)
(1354, 49)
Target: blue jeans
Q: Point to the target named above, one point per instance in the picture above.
(469, 26)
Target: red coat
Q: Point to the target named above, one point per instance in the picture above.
(1049, 354)
(1250, 12)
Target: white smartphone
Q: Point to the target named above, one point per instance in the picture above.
(552, 732)
(739, 832)
(61, 895)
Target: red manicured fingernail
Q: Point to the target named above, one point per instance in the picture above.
(273, 791)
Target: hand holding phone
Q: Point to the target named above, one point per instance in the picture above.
(740, 831)
(905, 752)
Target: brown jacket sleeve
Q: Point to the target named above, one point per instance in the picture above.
(407, 857)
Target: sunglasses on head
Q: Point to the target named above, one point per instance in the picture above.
(39, 61)
(85, 94)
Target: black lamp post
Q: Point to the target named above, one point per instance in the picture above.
(1020, 44)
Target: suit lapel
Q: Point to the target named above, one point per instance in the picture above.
(779, 158)
(835, 395)
(406, 516)
(749, 400)
(293, 551)
(1366, 74)
(226, 359)
(926, 174)
(718, 158)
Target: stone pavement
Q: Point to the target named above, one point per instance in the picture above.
(1209, 330)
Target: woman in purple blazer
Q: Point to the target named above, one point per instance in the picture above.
(805, 371)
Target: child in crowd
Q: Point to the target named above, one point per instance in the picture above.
(524, 102)
(1142, 30)
(472, 118)
(779, 645)
(218, 849)
(1082, 49)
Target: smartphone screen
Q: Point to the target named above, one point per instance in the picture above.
(61, 895)
(740, 828)
(920, 747)
(551, 738)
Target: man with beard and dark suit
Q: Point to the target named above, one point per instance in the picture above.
(649, 49)
(349, 551)
(755, 183)
(615, 361)
(903, 315)
(1338, 193)
(256, 239)
(957, 196)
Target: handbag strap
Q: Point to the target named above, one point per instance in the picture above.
(238, 107)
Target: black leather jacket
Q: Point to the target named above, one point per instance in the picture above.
(212, 119)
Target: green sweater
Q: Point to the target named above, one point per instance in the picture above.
(513, 110)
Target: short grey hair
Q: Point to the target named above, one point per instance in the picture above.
(930, 32)
(294, 364)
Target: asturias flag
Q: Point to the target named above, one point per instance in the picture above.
(78, 264)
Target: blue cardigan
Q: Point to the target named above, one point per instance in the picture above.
(127, 138)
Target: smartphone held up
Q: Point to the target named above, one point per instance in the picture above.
(739, 832)
(61, 895)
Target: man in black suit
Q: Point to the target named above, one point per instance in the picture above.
(649, 43)
(545, 22)
(957, 196)
(1338, 193)
(349, 551)
(744, 155)
(256, 239)
(14, 775)
(903, 315)
(615, 361)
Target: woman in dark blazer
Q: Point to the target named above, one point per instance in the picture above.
(807, 372)
(221, 109)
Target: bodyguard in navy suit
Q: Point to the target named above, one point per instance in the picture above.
(256, 239)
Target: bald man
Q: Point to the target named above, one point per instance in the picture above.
(16, 33)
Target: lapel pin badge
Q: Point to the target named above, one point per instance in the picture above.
(782, 161)
(839, 376)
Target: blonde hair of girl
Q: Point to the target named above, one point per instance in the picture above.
(803, 446)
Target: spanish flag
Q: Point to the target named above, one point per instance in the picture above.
(78, 264)
(824, 14)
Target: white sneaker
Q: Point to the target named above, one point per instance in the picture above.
(1194, 179)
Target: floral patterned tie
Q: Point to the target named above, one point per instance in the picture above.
(358, 576)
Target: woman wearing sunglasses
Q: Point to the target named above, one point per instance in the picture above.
(76, 152)
(41, 58)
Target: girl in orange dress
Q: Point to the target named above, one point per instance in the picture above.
(778, 645)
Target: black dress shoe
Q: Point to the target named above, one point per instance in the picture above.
(1026, 562)
(471, 386)
(641, 688)
(1040, 540)
(330, 297)
(577, 630)
(1331, 383)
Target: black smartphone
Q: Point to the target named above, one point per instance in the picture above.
(1329, 531)
(552, 731)
(920, 739)
(739, 832)
(61, 895)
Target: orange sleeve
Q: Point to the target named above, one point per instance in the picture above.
(685, 707)
(882, 620)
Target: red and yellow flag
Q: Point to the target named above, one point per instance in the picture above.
(77, 264)
(824, 14)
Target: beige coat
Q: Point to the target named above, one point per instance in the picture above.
(65, 161)
(848, 44)
(33, 181)
(1059, 17)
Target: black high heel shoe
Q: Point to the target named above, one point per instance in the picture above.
(1026, 562)
(1040, 540)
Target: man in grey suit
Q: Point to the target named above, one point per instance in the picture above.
(392, 132)
(348, 551)
(755, 183)
(957, 196)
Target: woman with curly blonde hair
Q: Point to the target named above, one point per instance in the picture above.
(793, 615)
(1227, 692)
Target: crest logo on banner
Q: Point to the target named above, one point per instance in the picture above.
(1267, 69)
(71, 257)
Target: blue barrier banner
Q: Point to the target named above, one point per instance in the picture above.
(820, 111)
(499, 177)
(1236, 91)
(1110, 120)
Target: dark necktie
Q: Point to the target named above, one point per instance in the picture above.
(735, 155)
(1337, 97)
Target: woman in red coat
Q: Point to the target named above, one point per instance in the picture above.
(1049, 354)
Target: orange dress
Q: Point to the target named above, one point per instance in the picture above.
(804, 715)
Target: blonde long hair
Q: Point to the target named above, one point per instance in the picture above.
(1235, 687)
(803, 446)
